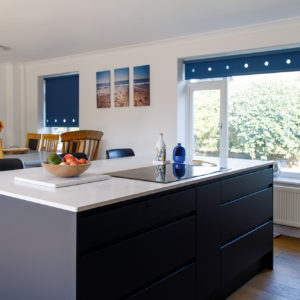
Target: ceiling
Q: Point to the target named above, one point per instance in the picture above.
(41, 29)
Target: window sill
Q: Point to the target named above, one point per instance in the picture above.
(286, 180)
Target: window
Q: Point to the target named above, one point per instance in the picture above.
(260, 110)
(208, 131)
(62, 101)
(263, 118)
(61, 110)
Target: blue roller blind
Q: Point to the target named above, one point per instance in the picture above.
(246, 64)
(62, 101)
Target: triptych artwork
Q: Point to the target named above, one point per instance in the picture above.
(141, 87)
(121, 97)
(103, 89)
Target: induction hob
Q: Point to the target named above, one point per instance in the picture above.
(167, 173)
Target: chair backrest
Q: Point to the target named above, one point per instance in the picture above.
(1, 151)
(86, 141)
(49, 142)
(33, 141)
(7, 164)
(115, 153)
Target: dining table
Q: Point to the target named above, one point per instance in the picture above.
(31, 158)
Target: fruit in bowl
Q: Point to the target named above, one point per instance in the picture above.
(68, 167)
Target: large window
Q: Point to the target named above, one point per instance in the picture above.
(263, 118)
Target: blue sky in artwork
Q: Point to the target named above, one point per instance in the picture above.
(142, 72)
(122, 74)
(103, 77)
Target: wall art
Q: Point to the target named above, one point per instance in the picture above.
(141, 75)
(121, 87)
(103, 89)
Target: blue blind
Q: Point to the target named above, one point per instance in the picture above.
(62, 101)
(246, 64)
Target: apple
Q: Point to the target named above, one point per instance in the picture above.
(67, 156)
(70, 159)
(82, 161)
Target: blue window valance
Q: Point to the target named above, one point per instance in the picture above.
(244, 64)
(62, 101)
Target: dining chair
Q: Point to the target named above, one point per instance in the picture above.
(7, 164)
(116, 153)
(1, 151)
(86, 141)
(49, 142)
(33, 141)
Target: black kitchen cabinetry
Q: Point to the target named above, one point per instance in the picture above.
(198, 242)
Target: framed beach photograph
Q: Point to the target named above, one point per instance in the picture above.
(121, 87)
(141, 78)
(103, 89)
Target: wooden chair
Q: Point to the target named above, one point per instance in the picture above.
(1, 152)
(33, 141)
(116, 153)
(86, 141)
(49, 142)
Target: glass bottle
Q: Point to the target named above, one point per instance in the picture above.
(160, 149)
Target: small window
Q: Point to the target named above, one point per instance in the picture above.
(62, 101)
(61, 109)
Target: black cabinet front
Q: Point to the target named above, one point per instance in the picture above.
(246, 184)
(123, 268)
(208, 239)
(246, 250)
(100, 228)
(246, 213)
(178, 286)
(188, 244)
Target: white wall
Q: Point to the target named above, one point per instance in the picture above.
(138, 127)
(2, 99)
(12, 101)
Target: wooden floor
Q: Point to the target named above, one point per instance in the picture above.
(283, 283)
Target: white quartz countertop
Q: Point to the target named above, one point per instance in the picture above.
(96, 194)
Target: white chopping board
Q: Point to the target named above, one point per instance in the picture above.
(44, 179)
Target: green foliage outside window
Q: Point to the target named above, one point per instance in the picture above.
(264, 119)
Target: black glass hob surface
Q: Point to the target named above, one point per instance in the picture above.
(166, 173)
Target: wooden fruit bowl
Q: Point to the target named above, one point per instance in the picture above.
(66, 170)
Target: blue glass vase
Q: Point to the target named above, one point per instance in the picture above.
(179, 154)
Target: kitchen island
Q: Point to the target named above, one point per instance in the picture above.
(199, 238)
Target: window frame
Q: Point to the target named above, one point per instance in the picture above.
(220, 84)
(223, 84)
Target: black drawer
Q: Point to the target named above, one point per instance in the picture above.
(246, 250)
(125, 267)
(115, 224)
(178, 286)
(242, 215)
(243, 185)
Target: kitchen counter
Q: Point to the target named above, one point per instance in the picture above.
(87, 196)
(199, 238)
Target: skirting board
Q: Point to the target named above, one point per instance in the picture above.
(287, 230)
